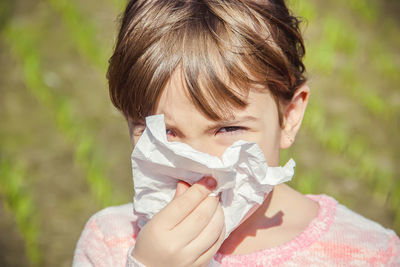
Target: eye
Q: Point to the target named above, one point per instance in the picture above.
(170, 133)
(229, 130)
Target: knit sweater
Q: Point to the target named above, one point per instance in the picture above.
(336, 237)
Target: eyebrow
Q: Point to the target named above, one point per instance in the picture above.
(238, 120)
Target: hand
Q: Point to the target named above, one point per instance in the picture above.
(187, 232)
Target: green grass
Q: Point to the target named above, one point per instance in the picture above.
(340, 40)
(82, 31)
(23, 42)
(15, 187)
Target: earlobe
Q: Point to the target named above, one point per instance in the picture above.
(293, 116)
(286, 141)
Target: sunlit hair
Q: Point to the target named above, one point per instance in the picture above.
(223, 48)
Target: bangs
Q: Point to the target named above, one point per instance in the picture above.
(222, 51)
(211, 75)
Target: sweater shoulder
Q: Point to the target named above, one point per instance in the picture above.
(115, 221)
(124, 210)
(355, 225)
(107, 237)
(356, 239)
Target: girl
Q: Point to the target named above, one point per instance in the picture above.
(222, 71)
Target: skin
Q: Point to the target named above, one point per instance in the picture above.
(284, 214)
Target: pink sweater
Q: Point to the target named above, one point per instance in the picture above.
(336, 237)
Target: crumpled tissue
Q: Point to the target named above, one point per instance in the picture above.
(242, 174)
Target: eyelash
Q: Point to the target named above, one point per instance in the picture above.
(228, 130)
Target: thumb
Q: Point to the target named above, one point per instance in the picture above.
(181, 187)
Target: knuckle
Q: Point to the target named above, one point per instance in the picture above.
(211, 203)
(207, 210)
(201, 216)
(171, 250)
(186, 203)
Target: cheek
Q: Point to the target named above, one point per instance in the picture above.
(228, 139)
(270, 145)
(269, 142)
(213, 147)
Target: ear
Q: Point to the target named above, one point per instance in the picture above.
(293, 116)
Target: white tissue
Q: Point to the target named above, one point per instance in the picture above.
(242, 174)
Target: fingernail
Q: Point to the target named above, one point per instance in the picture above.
(211, 182)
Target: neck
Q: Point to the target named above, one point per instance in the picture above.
(283, 214)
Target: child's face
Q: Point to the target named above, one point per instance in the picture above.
(258, 122)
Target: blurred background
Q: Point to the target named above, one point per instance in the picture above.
(65, 151)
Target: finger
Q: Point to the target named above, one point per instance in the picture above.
(181, 187)
(209, 235)
(197, 220)
(184, 204)
(206, 257)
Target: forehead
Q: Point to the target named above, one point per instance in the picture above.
(215, 97)
(177, 104)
